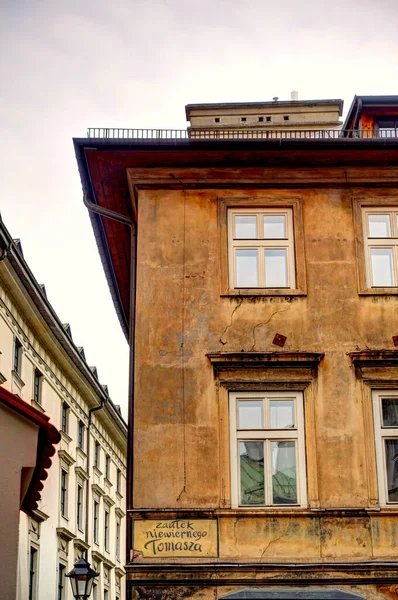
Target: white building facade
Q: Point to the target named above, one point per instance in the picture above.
(82, 507)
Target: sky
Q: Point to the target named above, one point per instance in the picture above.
(66, 65)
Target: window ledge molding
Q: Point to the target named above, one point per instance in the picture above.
(65, 533)
(2, 379)
(37, 406)
(39, 515)
(65, 436)
(96, 488)
(83, 474)
(227, 361)
(386, 291)
(374, 358)
(64, 455)
(101, 558)
(108, 500)
(120, 512)
(97, 471)
(18, 379)
(81, 544)
(250, 292)
(108, 482)
(120, 571)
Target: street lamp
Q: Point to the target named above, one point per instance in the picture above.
(81, 579)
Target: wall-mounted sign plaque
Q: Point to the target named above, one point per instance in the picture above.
(177, 537)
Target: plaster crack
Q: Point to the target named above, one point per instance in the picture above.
(269, 544)
(265, 323)
(222, 340)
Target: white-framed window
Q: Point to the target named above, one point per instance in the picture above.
(64, 481)
(380, 234)
(107, 467)
(80, 503)
(80, 435)
(267, 449)
(261, 248)
(96, 502)
(17, 365)
(33, 572)
(97, 454)
(37, 385)
(106, 528)
(385, 413)
(118, 530)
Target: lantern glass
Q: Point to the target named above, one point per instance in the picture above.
(81, 579)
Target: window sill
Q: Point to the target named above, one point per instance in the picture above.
(37, 406)
(284, 292)
(17, 378)
(389, 291)
(108, 482)
(97, 471)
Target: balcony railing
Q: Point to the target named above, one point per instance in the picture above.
(238, 134)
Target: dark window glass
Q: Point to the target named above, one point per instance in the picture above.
(17, 356)
(32, 573)
(61, 581)
(391, 450)
(95, 524)
(107, 466)
(64, 419)
(106, 530)
(118, 481)
(97, 454)
(80, 435)
(37, 386)
(79, 507)
(64, 490)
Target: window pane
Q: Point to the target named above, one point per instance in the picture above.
(379, 226)
(284, 478)
(251, 473)
(274, 226)
(391, 447)
(389, 408)
(250, 414)
(245, 226)
(281, 414)
(246, 268)
(275, 268)
(382, 274)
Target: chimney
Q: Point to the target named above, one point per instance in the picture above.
(294, 96)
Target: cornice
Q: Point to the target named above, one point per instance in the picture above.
(263, 360)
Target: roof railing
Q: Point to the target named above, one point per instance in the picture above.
(116, 133)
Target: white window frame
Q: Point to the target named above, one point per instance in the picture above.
(64, 468)
(297, 434)
(381, 434)
(260, 244)
(80, 514)
(390, 242)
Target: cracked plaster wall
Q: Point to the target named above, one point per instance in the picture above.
(181, 317)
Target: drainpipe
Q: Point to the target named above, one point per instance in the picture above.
(90, 412)
(110, 214)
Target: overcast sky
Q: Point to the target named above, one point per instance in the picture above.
(68, 65)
